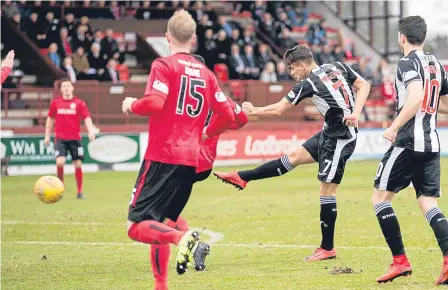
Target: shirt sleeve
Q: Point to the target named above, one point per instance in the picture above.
(4, 74)
(84, 110)
(300, 91)
(158, 81)
(352, 75)
(53, 110)
(444, 85)
(408, 71)
(240, 117)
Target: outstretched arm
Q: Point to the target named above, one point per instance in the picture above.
(276, 109)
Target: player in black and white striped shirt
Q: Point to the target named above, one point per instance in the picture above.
(329, 87)
(415, 152)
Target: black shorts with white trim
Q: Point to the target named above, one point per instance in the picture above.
(332, 154)
(401, 166)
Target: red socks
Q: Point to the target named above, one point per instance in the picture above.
(78, 176)
(152, 232)
(160, 256)
(60, 171)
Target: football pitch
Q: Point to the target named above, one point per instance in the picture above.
(267, 229)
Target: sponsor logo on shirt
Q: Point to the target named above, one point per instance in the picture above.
(66, 111)
(161, 87)
(72, 106)
(220, 97)
(409, 75)
(291, 95)
(237, 109)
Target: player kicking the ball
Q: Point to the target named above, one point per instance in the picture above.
(329, 87)
(179, 93)
(66, 112)
(415, 151)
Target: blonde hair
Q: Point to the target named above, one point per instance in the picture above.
(181, 26)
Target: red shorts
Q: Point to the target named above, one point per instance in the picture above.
(207, 155)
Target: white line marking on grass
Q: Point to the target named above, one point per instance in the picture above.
(267, 246)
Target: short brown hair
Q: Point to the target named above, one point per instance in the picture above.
(300, 53)
(182, 26)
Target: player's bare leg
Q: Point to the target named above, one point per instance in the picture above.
(273, 168)
(79, 176)
(153, 232)
(328, 215)
(439, 224)
(390, 227)
(60, 162)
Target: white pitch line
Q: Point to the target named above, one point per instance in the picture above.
(266, 246)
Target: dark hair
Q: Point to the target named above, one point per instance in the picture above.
(414, 28)
(199, 58)
(300, 53)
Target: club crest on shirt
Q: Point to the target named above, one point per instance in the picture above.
(220, 97)
(72, 106)
(161, 87)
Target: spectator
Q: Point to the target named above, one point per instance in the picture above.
(302, 13)
(81, 63)
(101, 4)
(115, 10)
(51, 28)
(97, 60)
(186, 4)
(67, 67)
(237, 63)
(284, 41)
(33, 29)
(53, 55)
(67, 3)
(212, 16)
(9, 8)
(236, 38)
(81, 38)
(248, 37)
(64, 43)
(52, 3)
(224, 25)
(268, 74)
(86, 4)
(252, 69)
(25, 11)
(284, 22)
(326, 56)
(198, 6)
(109, 45)
(17, 22)
(97, 36)
(367, 70)
(111, 74)
(223, 44)
(264, 55)
(203, 25)
(259, 10)
(267, 26)
(316, 33)
(339, 53)
(316, 52)
(210, 49)
(69, 23)
(282, 74)
(85, 22)
(292, 15)
(37, 3)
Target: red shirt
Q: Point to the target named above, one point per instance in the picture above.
(207, 153)
(67, 115)
(188, 89)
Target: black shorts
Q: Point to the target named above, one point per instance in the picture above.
(63, 147)
(203, 175)
(161, 191)
(331, 154)
(400, 166)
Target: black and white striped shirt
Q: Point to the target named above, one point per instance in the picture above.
(329, 87)
(420, 134)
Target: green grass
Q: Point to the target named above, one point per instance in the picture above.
(280, 211)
